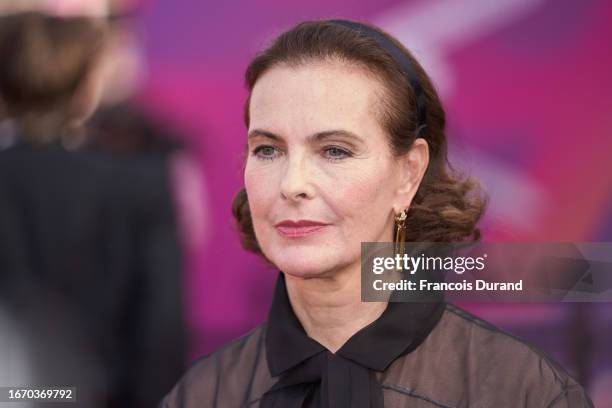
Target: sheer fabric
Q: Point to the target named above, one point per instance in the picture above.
(414, 355)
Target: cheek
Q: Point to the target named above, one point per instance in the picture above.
(363, 193)
(260, 186)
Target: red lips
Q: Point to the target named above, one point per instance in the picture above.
(300, 228)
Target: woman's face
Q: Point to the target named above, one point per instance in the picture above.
(320, 175)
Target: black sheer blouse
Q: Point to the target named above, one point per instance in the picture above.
(413, 355)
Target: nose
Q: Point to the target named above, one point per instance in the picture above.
(296, 183)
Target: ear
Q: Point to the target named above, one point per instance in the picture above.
(412, 166)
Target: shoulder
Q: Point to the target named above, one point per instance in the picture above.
(494, 347)
(234, 375)
(479, 362)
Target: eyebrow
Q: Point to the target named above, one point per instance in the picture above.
(315, 137)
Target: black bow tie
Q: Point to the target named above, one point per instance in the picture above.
(325, 380)
(309, 375)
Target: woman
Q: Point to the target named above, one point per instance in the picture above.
(345, 139)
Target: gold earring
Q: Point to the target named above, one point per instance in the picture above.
(400, 231)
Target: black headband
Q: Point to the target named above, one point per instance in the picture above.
(401, 59)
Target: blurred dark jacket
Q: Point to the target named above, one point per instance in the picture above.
(90, 261)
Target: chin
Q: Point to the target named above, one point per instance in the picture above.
(303, 264)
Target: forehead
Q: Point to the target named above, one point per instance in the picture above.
(316, 95)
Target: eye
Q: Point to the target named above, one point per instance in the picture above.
(334, 153)
(265, 152)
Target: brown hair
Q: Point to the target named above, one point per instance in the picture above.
(45, 59)
(447, 205)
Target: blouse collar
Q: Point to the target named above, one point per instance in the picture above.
(400, 329)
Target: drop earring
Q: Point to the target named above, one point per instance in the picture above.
(400, 231)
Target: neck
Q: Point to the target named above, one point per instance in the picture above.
(330, 308)
(42, 129)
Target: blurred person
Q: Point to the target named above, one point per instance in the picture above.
(125, 125)
(346, 144)
(45, 95)
(88, 255)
